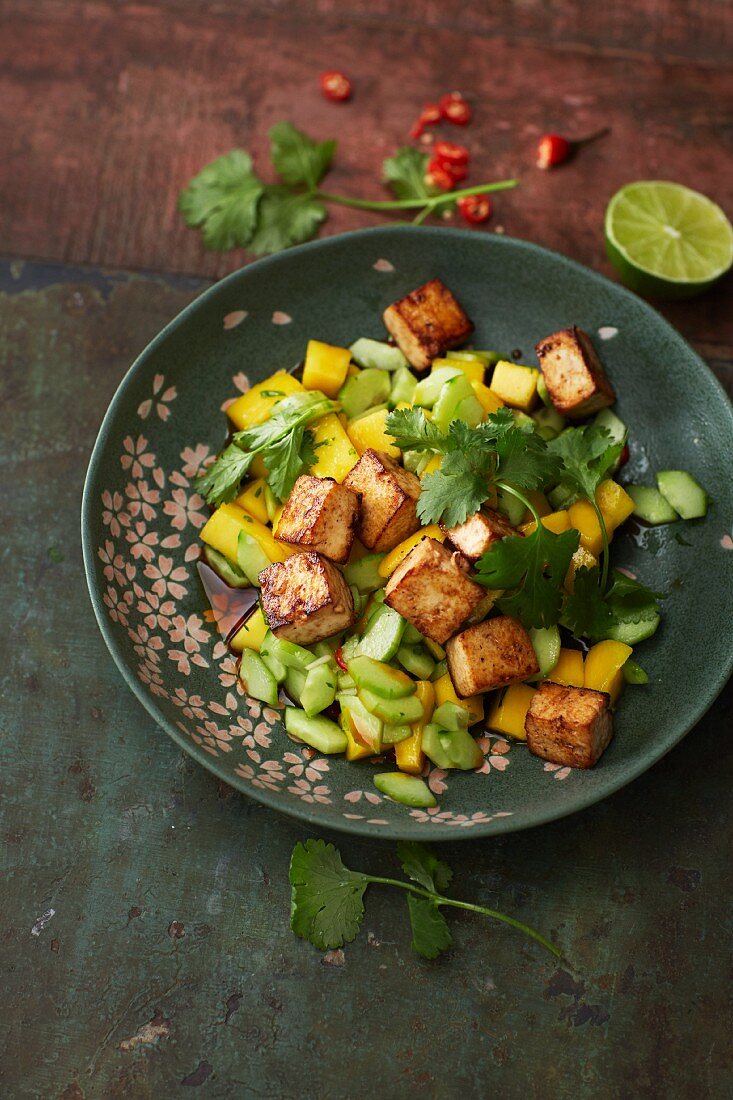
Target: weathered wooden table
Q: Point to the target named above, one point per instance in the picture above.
(143, 907)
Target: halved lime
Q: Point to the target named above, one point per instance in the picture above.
(667, 241)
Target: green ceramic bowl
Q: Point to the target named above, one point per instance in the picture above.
(141, 517)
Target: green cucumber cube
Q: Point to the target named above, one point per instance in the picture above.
(320, 733)
(650, 505)
(410, 790)
(380, 679)
(377, 355)
(257, 678)
(685, 494)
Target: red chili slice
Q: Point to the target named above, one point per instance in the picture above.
(339, 658)
(475, 208)
(437, 175)
(336, 86)
(623, 458)
(454, 108)
(552, 149)
(450, 153)
(429, 115)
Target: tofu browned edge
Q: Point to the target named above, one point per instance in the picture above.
(305, 598)
(426, 323)
(320, 515)
(431, 589)
(570, 726)
(389, 495)
(475, 535)
(576, 381)
(490, 655)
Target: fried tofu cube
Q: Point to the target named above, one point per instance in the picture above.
(474, 537)
(389, 497)
(426, 323)
(320, 515)
(573, 373)
(306, 599)
(432, 590)
(491, 655)
(570, 726)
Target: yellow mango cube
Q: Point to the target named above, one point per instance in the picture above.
(434, 464)
(515, 384)
(251, 634)
(583, 518)
(408, 753)
(254, 406)
(253, 500)
(369, 432)
(473, 369)
(509, 710)
(615, 503)
(489, 401)
(569, 669)
(581, 559)
(391, 560)
(223, 528)
(325, 367)
(335, 453)
(557, 522)
(604, 667)
(355, 749)
(446, 693)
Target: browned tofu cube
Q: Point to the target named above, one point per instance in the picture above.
(320, 515)
(474, 537)
(389, 497)
(426, 323)
(573, 373)
(571, 726)
(305, 599)
(432, 590)
(491, 655)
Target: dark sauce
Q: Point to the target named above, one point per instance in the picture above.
(231, 607)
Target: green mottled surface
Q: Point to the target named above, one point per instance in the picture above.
(168, 964)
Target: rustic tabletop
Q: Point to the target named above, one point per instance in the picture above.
(143, 905)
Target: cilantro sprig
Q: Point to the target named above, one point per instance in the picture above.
(591, 612)
(234, 208)
(327, 898)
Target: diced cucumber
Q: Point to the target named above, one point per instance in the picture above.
(393, 733)
(546, 643)
(380, 678)
(403, 387)
(543, 393)
(631, 633)
(383, 634)
(549, 422)
(251, 558)
(433, 748)
(685, 494)
(416, 661)
(257, 678)
(397, 711)
(376, 355)
(288, 653)
(410, 790)
(412, 635)
(272, 504)
(561, 497)
(344, 682)
(634, 674)
(650, 505)
(451, 716)
(365, 726)
(427, 391)
(363, 391)
(320, 733)
(365, 574)
(523, 420)
(452, 393)
(461, 749)
(350, 648)
(441, 667)
(434, 649)
(294, 683)
(470, 411)
(359, 598)
(273, 662)
(512, 507)
(324, 649)
(615, 427)
(229, 573)
(319, 689)
(484, 357)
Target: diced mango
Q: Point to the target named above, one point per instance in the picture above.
(251, 635)
(223, 528)
(557, 522)
(253, 500)
(515, 384)
(509, 709)
(473, 369)
(325, 367)
(254, 406)
(540, 501)
(489, 401)
(615, 503)
(581, 559)
(408, 753)
(434, 464)
(583, 518)
(569, 669)
(353, 371)
(355, 748)
(391, 560)
(258, 468)
(604, 667)
(335, 453)
(446, 693)
(276, 518)
(369, 432)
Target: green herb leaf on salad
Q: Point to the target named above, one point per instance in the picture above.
(588, 455)
(590, 613)
(531, 570)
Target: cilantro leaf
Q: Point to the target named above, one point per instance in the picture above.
(587, 455)
(452, 493)
(296, 409)
(423, 866)
(297, 158)
(412, 431)
(632, 602)
(326, 901)
(430, 931)
(220, 482)
(585, 611)
(524, 461)
(405, 172)
(283, 462)
(285, 219)
(531, 570)
(223, 200)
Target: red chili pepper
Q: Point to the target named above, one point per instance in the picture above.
(475, 208)
(623, 458)
(554, 149)
(336, 86)
(339, 658)
(429, 115)
(450, 153)
(454, 108)
(437, 175)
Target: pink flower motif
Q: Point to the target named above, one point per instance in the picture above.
(115, 514)
(228, 677)
(303, 790)
(191, 705)
(436, 780)
(194, 459)
(494, 754)
(136, 459)
(157, 612)
(241, 381)
(166, 578)
(268, 776)
(142, 498)
(241, 728)
(214, 737)
(383, 265)
(118, 605)
(369, 796)
(190, 631)
(142, 541)
(313, 770)
(557, 771)
(146, 645)
(161, 407)
(184, 509)
(115, 567)
(191, 553)
(150, 675)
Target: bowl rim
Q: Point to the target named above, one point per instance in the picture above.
(324, 818)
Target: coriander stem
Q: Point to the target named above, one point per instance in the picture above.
(515, 493)
(415, 204)
(439, 899)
